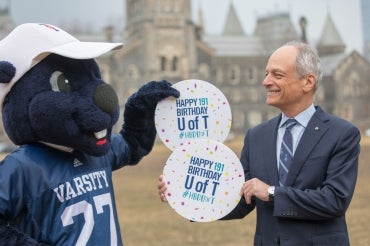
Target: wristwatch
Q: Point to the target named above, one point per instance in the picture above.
(271, 193)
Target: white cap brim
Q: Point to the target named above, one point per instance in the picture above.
(84, 50)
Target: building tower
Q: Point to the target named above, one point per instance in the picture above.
(160, 41)
(330, 42)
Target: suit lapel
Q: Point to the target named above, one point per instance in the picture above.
(270, 156)
(314, 131)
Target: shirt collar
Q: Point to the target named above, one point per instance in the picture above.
(302, 118)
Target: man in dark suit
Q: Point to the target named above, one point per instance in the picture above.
(301, 185)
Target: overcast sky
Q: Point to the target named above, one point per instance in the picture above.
(345, 13)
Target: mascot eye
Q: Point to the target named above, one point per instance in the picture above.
(59, 82)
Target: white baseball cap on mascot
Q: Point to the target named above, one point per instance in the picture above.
(30, 43)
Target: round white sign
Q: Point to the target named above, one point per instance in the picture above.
(201, 111)
(203, 179)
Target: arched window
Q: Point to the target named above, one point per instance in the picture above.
(163, 63)
(174, 63)
(251, 75)
(219, 76)
(234, 75)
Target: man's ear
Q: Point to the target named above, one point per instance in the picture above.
(7, 72)
(309, 83)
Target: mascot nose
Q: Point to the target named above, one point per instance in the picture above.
(105, 98)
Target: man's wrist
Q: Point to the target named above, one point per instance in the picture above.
(271, 193)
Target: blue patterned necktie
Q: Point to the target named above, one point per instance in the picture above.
(286, 151)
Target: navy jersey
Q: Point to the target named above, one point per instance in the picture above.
(62, 198)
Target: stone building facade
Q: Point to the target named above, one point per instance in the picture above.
(162, 41)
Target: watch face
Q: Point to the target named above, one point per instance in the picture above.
(271, 192)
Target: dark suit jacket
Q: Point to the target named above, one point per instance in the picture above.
(310, 209)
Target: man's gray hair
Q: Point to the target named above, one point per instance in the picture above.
(308, 62)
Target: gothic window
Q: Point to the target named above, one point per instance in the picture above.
(176, 6)
(251, 75)
(174, 63)
(163, 63)
(159, 5)
(167, 6)
(219, 76)
(234, 75)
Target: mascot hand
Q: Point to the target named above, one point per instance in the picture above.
(147, 97)
(10, 236)
(139, 128)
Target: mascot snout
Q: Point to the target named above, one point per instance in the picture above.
(106, 98)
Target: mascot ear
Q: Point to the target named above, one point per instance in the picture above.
(7, 72)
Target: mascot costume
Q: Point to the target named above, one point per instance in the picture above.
(56, 188)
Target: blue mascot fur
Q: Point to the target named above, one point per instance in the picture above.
(56, 188)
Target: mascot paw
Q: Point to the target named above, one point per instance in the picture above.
(151, 93)
(139, 128)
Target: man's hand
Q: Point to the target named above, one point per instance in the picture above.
(162, 188)
(255, 188)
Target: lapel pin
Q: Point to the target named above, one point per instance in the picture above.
(316, 128)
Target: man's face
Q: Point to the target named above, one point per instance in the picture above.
(284, 87)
